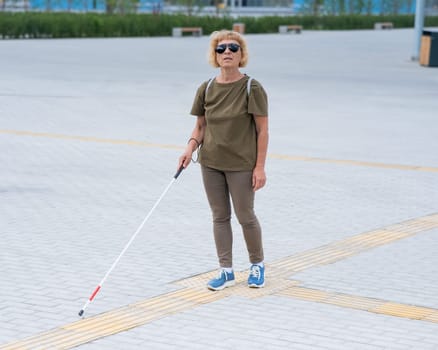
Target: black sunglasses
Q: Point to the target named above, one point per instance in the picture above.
(221, 48)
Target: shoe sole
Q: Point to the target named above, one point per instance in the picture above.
(225, 285)
(256, 285)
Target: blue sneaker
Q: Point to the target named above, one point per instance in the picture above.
(256, 277)
(225, 279)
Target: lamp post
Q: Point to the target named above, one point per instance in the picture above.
(418, 30)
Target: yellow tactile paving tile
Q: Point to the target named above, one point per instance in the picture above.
(416, 225)
(198, 296)
(353, 301)
(371, 239)
(430, 218)
(318, 258)
(428, 169)
(405, 311)
(168, 146)
(433, 317)
(197, 285)
(305, 294)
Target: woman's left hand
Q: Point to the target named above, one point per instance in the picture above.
(258, 178)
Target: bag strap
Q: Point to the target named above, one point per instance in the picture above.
(248, 85)
(208, 84)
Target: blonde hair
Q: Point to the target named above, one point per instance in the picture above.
(224, 34)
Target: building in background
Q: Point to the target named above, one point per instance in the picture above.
(233, 8)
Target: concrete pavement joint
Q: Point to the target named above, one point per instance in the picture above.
(194, 292)
(273, 156)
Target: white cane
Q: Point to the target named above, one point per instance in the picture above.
(93, 295)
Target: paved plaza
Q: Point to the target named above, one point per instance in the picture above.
(90, 134)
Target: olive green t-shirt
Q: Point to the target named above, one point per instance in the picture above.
(230, 139)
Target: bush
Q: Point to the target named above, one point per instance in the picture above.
(76, 25)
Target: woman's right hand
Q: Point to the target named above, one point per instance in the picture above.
(185, 158)
(194, 142)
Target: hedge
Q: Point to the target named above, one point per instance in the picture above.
(76, 25)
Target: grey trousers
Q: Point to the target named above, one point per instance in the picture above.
(219, 187)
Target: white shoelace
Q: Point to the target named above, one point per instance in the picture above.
(222, 271)
(255, 271)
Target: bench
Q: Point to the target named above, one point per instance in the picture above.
(293, 27)
(239, 28)
(383, 25)
(178, 31)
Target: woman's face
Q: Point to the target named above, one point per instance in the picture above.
(228, 53)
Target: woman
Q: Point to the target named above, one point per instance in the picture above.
(232, 127)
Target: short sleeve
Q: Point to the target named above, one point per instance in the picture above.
(258, 99)
(198, 107)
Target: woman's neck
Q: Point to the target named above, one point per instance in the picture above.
(229, 76)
